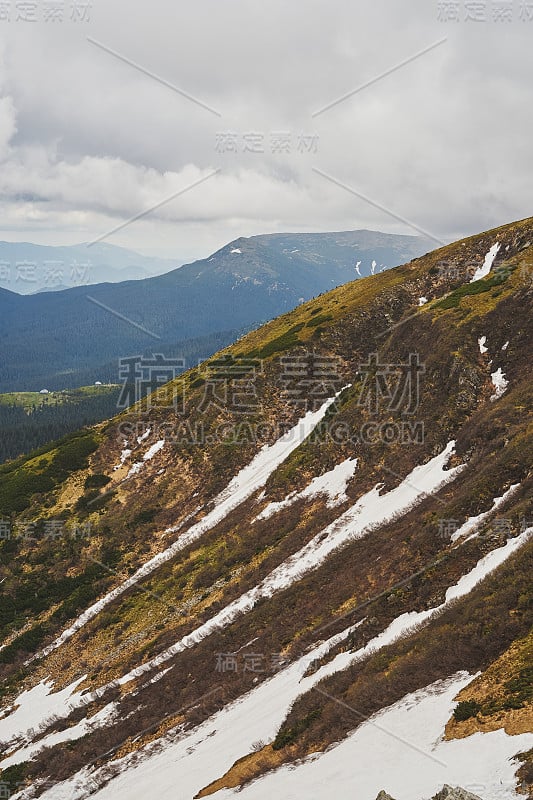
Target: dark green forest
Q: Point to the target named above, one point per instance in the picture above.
(24, 430)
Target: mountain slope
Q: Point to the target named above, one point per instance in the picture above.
(319, 536)
(72, 337)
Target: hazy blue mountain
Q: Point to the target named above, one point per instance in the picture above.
(28, 268)
(66, 338)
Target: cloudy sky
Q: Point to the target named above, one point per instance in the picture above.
(230, 107)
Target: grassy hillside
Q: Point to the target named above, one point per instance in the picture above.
(139, 483)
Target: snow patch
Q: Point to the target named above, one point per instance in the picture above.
(482, 272)
(474, 522)
(500, 383)
(422, 301)
(33, 707)
(481, 342)
(126, 453)
(85, 726)
(155, 448)
(333, 484)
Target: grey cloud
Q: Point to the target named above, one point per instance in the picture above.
(86, 139)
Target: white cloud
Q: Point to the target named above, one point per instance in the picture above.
(442, 142)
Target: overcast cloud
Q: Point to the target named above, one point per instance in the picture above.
(88, 141)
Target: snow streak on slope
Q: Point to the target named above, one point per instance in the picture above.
(405, 623)
(209, 750)
(483, 271)
(370, 511)
(332, 483)
(126, 453)
(33, 707)
(474, 522)
(82, 728)
(245, 483)
(155, 448)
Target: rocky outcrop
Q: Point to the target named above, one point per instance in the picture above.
(449, 793)
(446, 793)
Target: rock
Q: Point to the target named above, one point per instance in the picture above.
(446, 793)
(449, 793)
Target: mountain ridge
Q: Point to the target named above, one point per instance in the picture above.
(77, 335)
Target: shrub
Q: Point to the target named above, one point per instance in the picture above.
(143, 517)
(319, 320)
(465, 710)
(96, 481)
(27, 642)
(453, 300)
(286, 341)
(12, 777)
(287, 736)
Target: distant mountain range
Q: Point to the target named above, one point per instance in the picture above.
(29, 268)
(63, 339)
